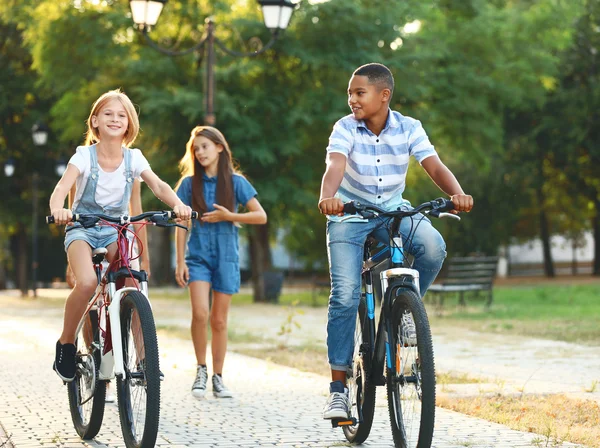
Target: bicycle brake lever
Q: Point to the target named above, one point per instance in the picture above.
(449, 215)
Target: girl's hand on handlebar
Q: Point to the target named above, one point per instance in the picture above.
(331, 206)
(182, 274)
(183, 212)
(62, 216)
(462, 203)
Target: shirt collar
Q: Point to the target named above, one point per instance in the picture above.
(209, 179)
(391, 122)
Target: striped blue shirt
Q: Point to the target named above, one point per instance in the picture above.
(376, 165)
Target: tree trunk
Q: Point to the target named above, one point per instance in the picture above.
(574, 256)
(260, 259)
(159, 240)
(545, 236)
(596, 224)
(21, 264)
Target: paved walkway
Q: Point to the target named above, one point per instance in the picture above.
(273, 405)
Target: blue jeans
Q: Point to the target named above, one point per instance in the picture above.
(345, 244)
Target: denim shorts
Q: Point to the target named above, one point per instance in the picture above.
(98, 236)
(223, 276)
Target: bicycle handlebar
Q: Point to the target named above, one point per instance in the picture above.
(437, 207)
(158, 217)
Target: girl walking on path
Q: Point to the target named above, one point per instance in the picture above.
(104, 171)
(211, 185)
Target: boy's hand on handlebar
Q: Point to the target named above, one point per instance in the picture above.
(331, 206)
(62, 216)
(182, 274)
(183, 212)
(462, 203)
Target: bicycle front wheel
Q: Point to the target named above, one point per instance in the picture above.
(411, 378)
(86, 392)
(360, 387)
(138, 391)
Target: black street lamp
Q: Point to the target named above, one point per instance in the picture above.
(276, 14)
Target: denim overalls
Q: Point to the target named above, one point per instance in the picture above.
(212, 250)
(100, 236)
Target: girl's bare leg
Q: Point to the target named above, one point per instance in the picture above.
(218, 326)
(80, 259)
(199, 294)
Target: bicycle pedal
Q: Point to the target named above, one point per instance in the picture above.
(336, 422)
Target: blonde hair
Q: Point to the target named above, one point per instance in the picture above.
(189, 166)
(133, 128)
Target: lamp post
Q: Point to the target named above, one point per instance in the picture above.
(39, 133)
(276, 14)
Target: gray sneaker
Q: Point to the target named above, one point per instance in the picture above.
(219, 388)
(199, 387)
(409, 332)
(338, 403)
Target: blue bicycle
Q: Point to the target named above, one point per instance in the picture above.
(396, 350)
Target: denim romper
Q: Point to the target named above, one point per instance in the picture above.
(212, 254)
(100, 236)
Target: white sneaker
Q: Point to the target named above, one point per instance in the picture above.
(199, 387)
(409, 332)
(219, 388)
(337, 405)
(110, 396)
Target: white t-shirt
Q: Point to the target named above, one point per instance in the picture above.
(109, 191)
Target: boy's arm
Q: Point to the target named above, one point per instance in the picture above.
(332, 179)
(445, 180)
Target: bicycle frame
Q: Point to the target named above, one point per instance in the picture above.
(398, 269)
(112, 364)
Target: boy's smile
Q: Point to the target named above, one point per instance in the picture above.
(365, 99)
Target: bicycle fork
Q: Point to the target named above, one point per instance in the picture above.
(113, 362)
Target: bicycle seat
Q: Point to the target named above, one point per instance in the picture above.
(99, 254)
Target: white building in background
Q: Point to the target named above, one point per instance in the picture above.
(282, 259)
(531, 253)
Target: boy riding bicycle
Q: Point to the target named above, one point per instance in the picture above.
(367, 160)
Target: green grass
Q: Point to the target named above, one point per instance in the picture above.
(568, 313)
(302, 298)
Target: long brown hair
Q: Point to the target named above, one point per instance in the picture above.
(92, 134)
(189, 166)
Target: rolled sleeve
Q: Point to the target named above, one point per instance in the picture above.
(419, 145)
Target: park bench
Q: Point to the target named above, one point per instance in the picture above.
(462, 275)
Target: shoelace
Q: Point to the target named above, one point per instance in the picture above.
(339, 400)
(408, 325)
(218, 383)
(201, 377)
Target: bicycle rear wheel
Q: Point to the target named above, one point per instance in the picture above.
(411, 379)
(86, 392)
(360, 387)
(139, 390)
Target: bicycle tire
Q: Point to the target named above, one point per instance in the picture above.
(87, 417)
(360, 386)
(141, 383)
(410, 382)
